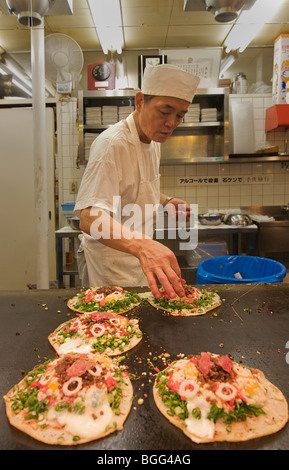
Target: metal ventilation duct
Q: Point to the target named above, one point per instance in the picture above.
(8, 89)
(224, 11)
(29, 12)
(5, 85)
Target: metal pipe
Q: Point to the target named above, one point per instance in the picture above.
(40, 155)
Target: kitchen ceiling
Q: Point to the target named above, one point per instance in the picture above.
(147, 24)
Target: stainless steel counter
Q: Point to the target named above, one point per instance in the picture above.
(233, 235)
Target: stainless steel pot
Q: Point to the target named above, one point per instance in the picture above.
(210, 219)
(285, 211)
(237, 220)
(73, 222)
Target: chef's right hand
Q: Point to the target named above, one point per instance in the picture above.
(159, 262)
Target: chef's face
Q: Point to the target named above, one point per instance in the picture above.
(159, 116)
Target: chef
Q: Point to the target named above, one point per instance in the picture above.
(120, 189)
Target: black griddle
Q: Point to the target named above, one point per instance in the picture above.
(252, 325)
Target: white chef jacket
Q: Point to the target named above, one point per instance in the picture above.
(119, 165)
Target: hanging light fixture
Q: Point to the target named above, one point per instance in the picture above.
(106, 16)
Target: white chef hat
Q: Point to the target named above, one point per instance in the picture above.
(169, 80)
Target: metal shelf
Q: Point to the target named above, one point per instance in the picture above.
(188, 125)
(216, 131)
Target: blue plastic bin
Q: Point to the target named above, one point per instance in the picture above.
(68, 208)
(248, 269)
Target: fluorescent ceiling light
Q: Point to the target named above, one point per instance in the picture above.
(226, 64)
(249, 24)
(106, 16)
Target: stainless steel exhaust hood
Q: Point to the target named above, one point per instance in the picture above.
(37, 7)
(29, 13)
(224, 11)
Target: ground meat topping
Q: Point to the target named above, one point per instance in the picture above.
(73, 366)
(105, 290)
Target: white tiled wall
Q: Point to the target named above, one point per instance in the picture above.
(67, 152)
(273, 188)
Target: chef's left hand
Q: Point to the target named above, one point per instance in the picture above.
(178, 209)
